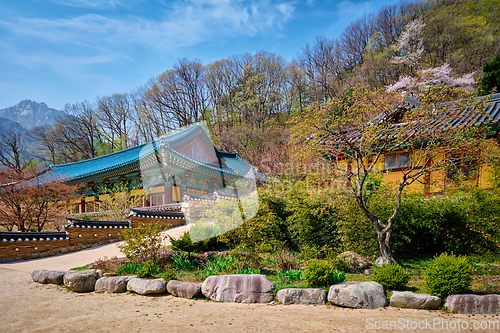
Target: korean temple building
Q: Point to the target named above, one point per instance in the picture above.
(179, 163)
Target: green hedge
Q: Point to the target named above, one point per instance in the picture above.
(325, 223)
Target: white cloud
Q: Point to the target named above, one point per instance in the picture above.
(183, 23)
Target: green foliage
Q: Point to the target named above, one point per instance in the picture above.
(267, 230)
(168, 275)
(321, 273)
(247, 270)
(81, 268)
(290, 275)
(182, 261)
(142, 243)
(313, 221)
(88, 217)
(285, 260)
(391, 276)
(116, 201)
(185, 244)
(344, 265)
(148, 270)
(463, 223)
(129, 269)
(448, 274)
(490, 82)
(356, 233)
(216, 266)
(301, 221)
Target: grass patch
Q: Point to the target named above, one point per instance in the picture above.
(81, 268)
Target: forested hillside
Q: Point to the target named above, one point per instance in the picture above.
(247, 99)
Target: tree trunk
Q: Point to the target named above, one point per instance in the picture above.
(384, 238)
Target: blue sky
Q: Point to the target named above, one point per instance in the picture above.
(68, 51)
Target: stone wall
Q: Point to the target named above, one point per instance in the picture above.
(77, 236)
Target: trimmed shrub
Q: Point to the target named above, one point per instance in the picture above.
(321, 273)
(448, 274)
(168, 275)
(391, 276)
(148, 270)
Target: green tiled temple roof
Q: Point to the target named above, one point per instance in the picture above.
(129, 160)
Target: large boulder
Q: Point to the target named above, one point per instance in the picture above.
(183, 289)
(82, 281)
(476, 304)
(301, 296)
(358, 262)
(358, 295)
(111, 284)
(407, 299)
(44, 276)
(145, 286)
(239, 288)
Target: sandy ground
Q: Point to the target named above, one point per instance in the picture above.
(31, 307)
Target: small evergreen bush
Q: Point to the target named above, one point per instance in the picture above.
(148, 270)
(391, 276)
(448, 274)
(321, 273)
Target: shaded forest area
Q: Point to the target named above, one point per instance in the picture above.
(247, 99)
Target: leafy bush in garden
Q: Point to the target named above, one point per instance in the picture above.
(463, 223)
(321, 273)
(168, 275)
(266, 231)
(448, 274)
(313, 221)
(324, 223)
(148, 270)
(391, 276)
(142, 243)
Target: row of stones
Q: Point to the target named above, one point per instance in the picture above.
(256, 288)
(62, 250)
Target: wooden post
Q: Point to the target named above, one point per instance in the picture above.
(82, 204)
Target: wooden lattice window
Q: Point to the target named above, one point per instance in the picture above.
(397, 161)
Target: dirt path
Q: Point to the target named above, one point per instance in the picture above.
(30, 307)
(66, 261)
